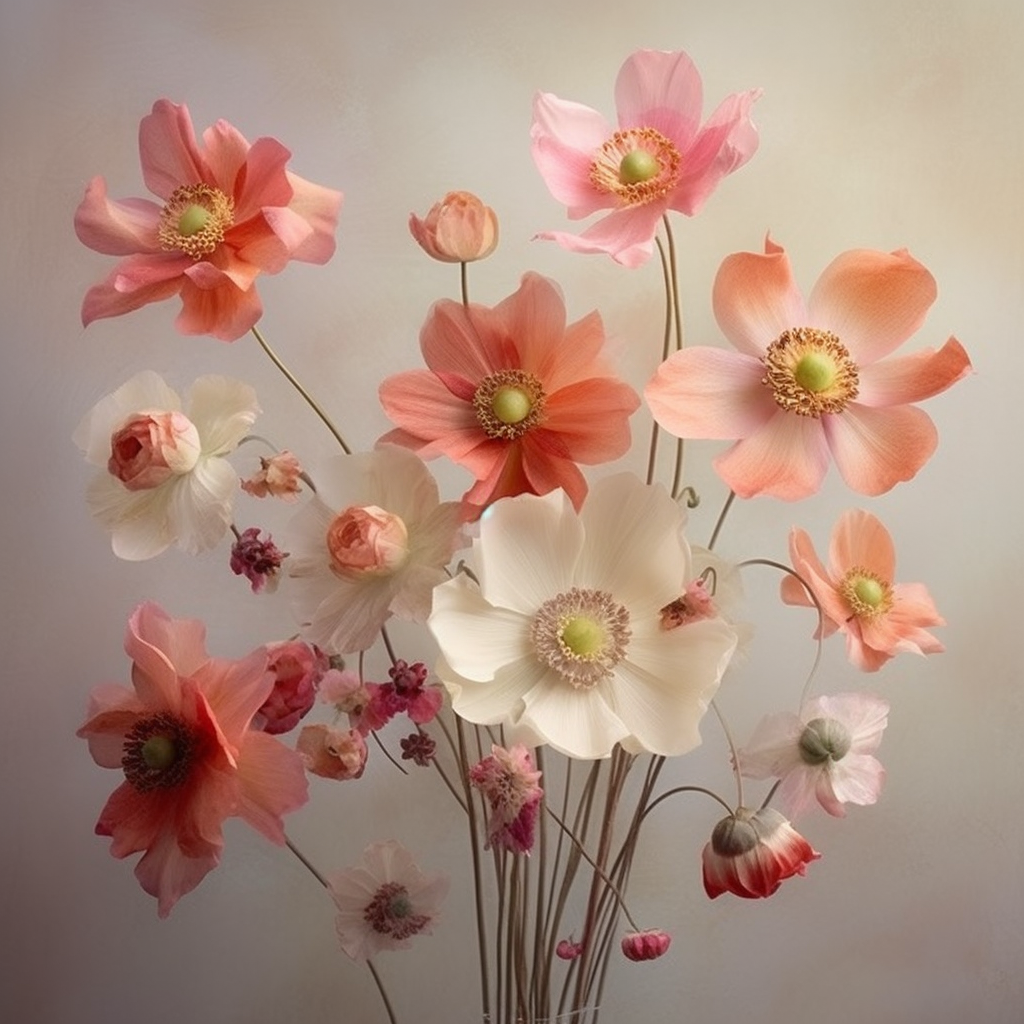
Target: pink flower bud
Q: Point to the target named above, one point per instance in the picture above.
(367, 540)
(278, 477)
(150, 448)
(648, 945)
(332, 753)
(298, 667)
(459, 229)
(568, 949)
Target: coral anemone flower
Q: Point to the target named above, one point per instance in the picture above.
(183, 740)
(858, 595)
(229, 211)
(513, 394)
(810, 379)
(659, 158)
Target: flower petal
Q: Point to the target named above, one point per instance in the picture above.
(223, 411)
(226, 312)
(660, 90)
(577, 722)
(199, 504)
(907, 379)
(859, 540)
(116, 227)
(272, 783)
(625, 235)
(168, 151)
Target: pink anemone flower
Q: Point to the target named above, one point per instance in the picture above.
(183, 740)
(513, 394)
(810, 379)
(858, 595)
(229, 211)
(660, 157)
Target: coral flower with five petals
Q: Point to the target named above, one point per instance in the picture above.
(513, 394)
(811, 379)
(229, 211)
(660, 157)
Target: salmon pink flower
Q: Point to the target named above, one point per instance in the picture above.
(752, 853)
(512, 394)
(183, 740)
(298, 668)
(810, 379)
(660, 157)
(858, 594)
(458, 229)
(338, 754)
(228, 212)
(165, 478)
(278, 477)
(824, 754)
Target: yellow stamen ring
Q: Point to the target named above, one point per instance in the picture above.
(866, 593)
(638, 165)
(810, 372)
(508, 403)
(195, 219)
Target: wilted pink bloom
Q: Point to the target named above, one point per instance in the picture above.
(257, 560)
(824, 754)
(809, 380)
(419, 748)
(646, 945)
(752, 853)
(509, 782)
(298, 668)
(569, 949)
(419, 701)
(858, 593)
(229, 211)
(384, 901)
(694, 604)
(512, 394)
(659, 158)
(458, 229)
(278, 477)
(332, 753)
(344, 689)
(183, 740)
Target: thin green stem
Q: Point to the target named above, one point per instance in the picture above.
(652, 455)
(732, 751)
(305, 863)
(721, 520)
(464, 283)
(677, 317)
(684, 789)
(383, 992)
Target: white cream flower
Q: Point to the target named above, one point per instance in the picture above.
(563, 638)
(164, 478)
(372, 543)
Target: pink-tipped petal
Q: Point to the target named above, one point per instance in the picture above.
(872, 300)
(625, 235)
(226, 312)
(906, 379)
(168, 151)
(859, 540)
(116, 227)
(320, 207)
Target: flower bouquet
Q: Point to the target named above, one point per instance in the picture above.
(576, 633)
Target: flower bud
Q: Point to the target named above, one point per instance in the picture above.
(647, 945)
(150, 448)
(367, 540)
(278, 477)
(332, 753)
(298, 667)
(458, 229)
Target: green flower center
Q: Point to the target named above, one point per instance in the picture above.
(511, 405)
(824, 739)
(815, 372)
(866, 592)
(158, 752)
(508, 403)
(194, 218)
(810, 372)
(638, 166)
(583, 636)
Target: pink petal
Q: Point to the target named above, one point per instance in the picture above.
(545, 474)
(463, 342)
(660, 90)
(755, 298)
(875, 449)
(533, 317)
(872, 300)
(225, 152)
(787, 458)
(264, 181)
(907, 379)
(590, 419)
(162, 649)
(235, 691)
(626, 235)
(419, 402)
(107, 299)
(859, 540)
(226, 312)
(710, 393)
(168, 151)
(809, 567)
(319, 207)
(577, 355)
(116, 227)
(272, 782)
(166, 873)
(266, 243)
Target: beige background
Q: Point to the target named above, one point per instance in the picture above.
(883, 124)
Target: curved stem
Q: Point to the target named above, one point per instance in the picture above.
(721, 520)
(383, 994)
(732, 751)
(305, 863)
(684, 789)
(301, 390)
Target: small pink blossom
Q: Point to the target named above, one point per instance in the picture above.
(825, 754)
(411, 694)
(298, 668)
(332, 753)
(646, 945)
(228, 212)
(279, 476)
(257, 560)
(696, 603)
(150, 448)
(858, 593)
(569, 949)
(809, 381)
(659, 158)
(458, 229)
(752, 853)
(509, 782)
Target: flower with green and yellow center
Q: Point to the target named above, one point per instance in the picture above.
(158, 753)
(638, 165)
(810, 372)
(195, 219)
(508, 403)
(866, 593)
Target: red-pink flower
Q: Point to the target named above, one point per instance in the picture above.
(810, 379)
(513, 394)
(509, 781)
(660, 157)
(183, 740)
(298, 668)
(229, 211)
(858, 593)
(752, 853)
(646, 945)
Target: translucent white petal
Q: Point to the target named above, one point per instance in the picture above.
(497, 701)
(137, 520)
(199, 509)
(223, 410)
(578, 722)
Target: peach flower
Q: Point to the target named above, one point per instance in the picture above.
(229, 212)
(458, 229)
(338, 754)
(278, 477)
(150, 448)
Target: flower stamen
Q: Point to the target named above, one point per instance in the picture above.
(158, 753)
(390, 912)
(866, 593)
(810, 372)
(194, 220)
(638, 165)
(508, 403)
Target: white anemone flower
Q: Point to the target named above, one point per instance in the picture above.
(372, 543)
(164, 478)
(564, 640)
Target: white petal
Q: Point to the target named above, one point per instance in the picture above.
(223, 410)
(497, 701)
(578, 722)
(137, 520)
(351, 614)
(395, 479)
(199, 510)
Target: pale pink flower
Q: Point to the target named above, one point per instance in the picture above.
(372, 543)
(257, 560)
(278, 477)
(752, 853)
(228, 212)
(658, 158)
(332, 753)
(824, 754)
(384, 901)
(183, 740)
(858, 593)
(458, 229)
(510, 783)
(809, 380)
(165, 479)
(646, 945)
(298, 668)
(513, 394)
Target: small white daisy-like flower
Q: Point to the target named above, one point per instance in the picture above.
(164, 478)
